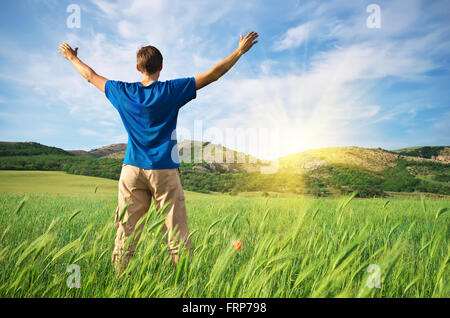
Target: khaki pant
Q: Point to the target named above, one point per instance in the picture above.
(138, 187)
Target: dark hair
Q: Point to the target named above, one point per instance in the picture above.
(149, 59)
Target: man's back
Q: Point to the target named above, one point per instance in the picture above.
(149, 114)
(149, 111)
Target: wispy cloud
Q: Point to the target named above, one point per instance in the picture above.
(294, 37)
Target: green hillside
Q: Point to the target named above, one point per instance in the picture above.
(28, 149)
(424, 152)
(321, 172)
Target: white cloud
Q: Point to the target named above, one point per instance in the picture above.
(294, 37)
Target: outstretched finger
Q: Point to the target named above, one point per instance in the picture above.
(249, 34)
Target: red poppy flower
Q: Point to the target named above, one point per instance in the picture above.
(237, 244)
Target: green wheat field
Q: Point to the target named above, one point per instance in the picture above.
(291, 247)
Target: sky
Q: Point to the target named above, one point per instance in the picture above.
(324, 73)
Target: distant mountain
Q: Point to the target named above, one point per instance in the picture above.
(28, 149)
(216, 157)
(320, 172)
(189, 150)
(109, 151)
(372, 159)
(440, 153)
(369, 170)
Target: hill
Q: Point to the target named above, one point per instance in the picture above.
(116, 151)
(370, 159)
(28, 149)
(189, 151)
(320, 172)
(209, 157)
(440, 153)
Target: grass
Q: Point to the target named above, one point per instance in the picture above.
(54, 182)
(291, 247)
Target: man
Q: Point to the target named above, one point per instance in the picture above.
(149, 111)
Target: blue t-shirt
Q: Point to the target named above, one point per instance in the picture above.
(149, 114)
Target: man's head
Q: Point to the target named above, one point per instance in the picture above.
(149, 60)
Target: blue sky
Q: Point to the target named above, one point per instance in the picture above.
(318, 76)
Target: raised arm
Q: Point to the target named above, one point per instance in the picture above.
(87, 72)
(221, 68)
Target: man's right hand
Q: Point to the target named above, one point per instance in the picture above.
(246, 43)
